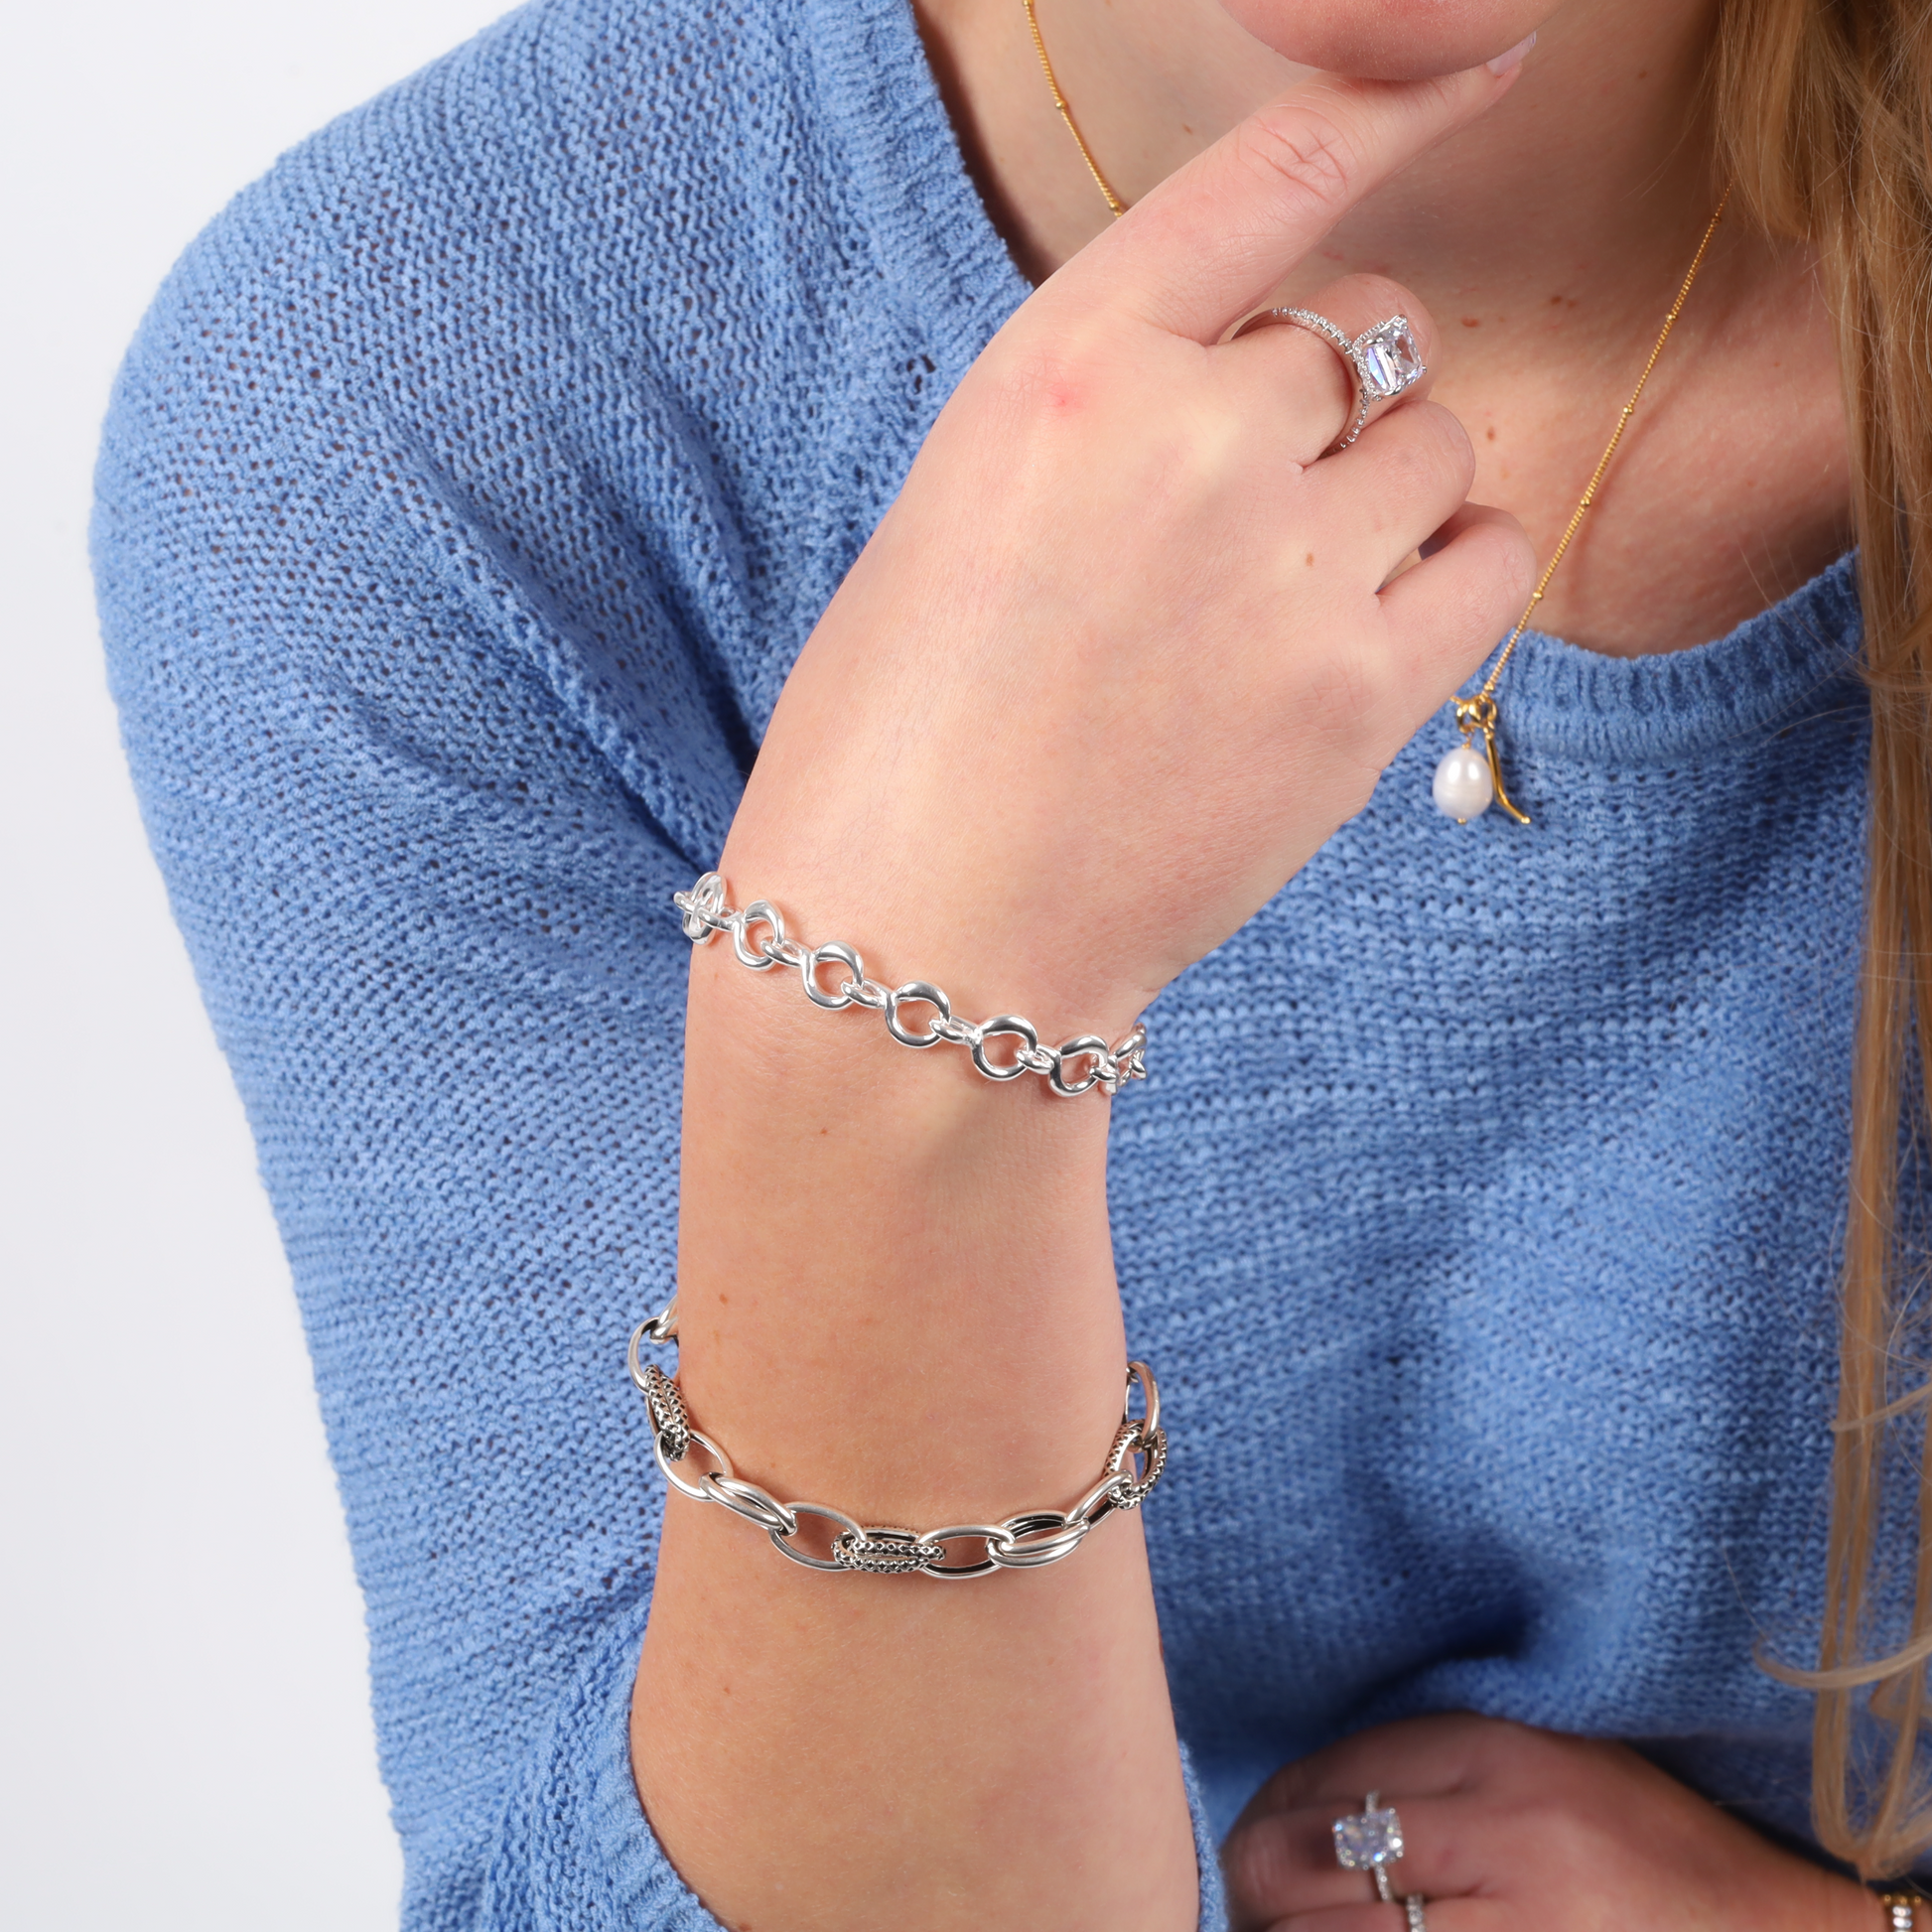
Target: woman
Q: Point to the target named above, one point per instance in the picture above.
(534, 446)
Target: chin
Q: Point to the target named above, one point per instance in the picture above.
(1389, 40)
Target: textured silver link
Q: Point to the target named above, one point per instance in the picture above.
(1077, 1066)
(885, 1552)
(1026, 1541)
(667, 1417)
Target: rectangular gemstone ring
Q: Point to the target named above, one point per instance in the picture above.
(1368, 1838)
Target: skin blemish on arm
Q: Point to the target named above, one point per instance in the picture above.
(1308, 560)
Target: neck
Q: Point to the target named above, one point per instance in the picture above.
(1595, 169)
(1546, 240)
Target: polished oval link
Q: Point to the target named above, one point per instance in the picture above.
(659, 1329)
(1032, 1542)
(1149, 1394)
(1038, 1059)
(815, 957)
(786, 952)
(747, 1500)
(1006, 1025)
(695, 1490)
(869, 993)
(782, 1539)
(1088, 1047)
(912, 990)
(760, 911)
(960, 1572)
(962, 1033)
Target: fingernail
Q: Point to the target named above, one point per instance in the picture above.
(1503, 62)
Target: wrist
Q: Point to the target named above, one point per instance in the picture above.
(983, 910)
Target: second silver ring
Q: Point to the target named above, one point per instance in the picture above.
(1382, 361)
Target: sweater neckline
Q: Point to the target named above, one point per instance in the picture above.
(1789, 660)
(949, 270)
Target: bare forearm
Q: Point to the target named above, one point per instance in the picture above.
(896, 1295)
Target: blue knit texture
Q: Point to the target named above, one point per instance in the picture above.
(465, 498)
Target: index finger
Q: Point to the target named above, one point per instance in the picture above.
(1218, 236)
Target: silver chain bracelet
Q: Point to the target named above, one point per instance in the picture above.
(706, 915)
(1029, 1542)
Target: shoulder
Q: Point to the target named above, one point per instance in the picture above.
(629, 312)
(579, 156)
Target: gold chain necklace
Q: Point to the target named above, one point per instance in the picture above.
(1115, 204)
(1466, 782)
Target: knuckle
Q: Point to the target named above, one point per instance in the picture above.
(1046, 377)
(1255, 1862)
(1442, 446)
(1571, 1840)
(1420, 465)
(1055, 368)
(1307, 154)
(1515, 562)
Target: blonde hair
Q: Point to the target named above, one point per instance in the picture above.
(1825, 118)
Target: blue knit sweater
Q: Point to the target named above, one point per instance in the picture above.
(465, 500)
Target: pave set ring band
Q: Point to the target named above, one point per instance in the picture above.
(1382, 361)
(1370, 1839)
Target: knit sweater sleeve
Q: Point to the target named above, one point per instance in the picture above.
(417, 578)
(420, 828)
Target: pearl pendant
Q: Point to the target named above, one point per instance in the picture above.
(1464, 788)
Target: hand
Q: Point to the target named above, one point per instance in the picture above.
(1506, 1829)
(1126, 651)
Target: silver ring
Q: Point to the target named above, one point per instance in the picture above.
(1412, 1905)
(1382, 361)
(1370, 1839)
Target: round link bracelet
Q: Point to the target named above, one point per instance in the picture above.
(1030, 1542)
(1074, 1067)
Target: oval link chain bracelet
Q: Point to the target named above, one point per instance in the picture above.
(1029, 1542)
(706, 915)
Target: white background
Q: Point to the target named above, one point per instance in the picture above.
(184, 1730)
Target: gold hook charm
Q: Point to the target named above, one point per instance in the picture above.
(1478, 715)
